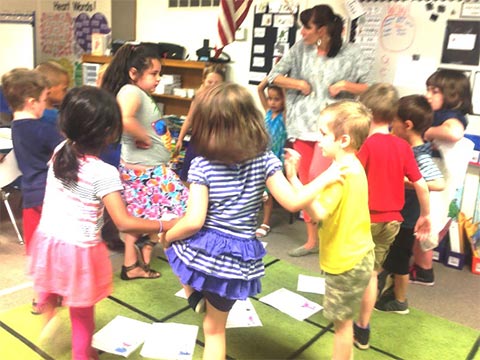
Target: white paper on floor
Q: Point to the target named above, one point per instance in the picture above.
(243, 313)
(291, 303)
(311, 284)
(170, 341)
(121, 336)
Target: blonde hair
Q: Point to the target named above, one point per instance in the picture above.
(19, 84)
(53, 71)
(350, 118)
(382, 100)
(227, 125)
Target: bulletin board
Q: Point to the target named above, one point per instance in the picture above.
(274, 32)
(406, 41)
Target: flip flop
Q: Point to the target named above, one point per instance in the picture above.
(262, 231)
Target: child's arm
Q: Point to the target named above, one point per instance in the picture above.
(187, 124)
(194, 218)
(261, 93)
(452, 130)
(423, 225)
(433, 185)
(129, 105)
(128, 223)
(295, 196)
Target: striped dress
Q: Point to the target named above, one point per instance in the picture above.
(69, 257)
(225, 257)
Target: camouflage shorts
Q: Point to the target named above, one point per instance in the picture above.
(383, 235)
(344, 292)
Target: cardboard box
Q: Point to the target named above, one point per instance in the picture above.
(454, 260)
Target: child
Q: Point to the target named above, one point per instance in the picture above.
(151, 189)
(274, 105)
(33, 141)
(71, 260)
(212, 75)
(214, 251)
(414, 117)
(346, 246)
(387, 160)
(59, 80)
(449, 94)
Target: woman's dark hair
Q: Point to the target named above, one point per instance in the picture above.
(90, 119)
(128, 56)
(323, 15)
(455, 88)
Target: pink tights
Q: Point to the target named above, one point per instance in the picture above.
(83, 326)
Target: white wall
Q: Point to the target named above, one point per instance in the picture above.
(188, 27)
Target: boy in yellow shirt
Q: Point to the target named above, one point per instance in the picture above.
(341, 209)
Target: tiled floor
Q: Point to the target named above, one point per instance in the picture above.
(454, 296)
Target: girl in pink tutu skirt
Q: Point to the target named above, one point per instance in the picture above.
(69, 258)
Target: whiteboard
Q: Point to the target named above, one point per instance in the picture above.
(18, 46)
(404, 40)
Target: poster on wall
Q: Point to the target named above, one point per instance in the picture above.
(65, 31)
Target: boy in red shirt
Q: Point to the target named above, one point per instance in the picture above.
(387, 160)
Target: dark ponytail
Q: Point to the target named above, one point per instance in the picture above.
(65, 163)
(335, 29)
(128, 56)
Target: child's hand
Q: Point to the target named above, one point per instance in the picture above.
(292, 161)
(162, 237)
(423, 228)
(178, 148)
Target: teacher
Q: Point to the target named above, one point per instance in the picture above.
(315, 72)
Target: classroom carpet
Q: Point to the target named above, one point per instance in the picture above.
(417, 335)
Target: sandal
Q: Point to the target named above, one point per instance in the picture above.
(197, 302)
(141, 259)
(151, 274)
(262, 231)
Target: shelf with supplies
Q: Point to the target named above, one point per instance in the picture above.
(191, 74)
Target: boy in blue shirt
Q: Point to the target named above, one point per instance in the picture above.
(414, 117)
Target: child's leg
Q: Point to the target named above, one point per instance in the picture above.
(46, 305)
(83, 326)
(132, 268)
(400, 287)
(214, 325)
(342, 341)
(424, 259)
(368, 301)
(267, 210)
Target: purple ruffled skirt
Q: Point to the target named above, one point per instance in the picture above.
(224, 264)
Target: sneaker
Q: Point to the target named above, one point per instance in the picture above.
(392, 305)
(421, 276)
(361, 337)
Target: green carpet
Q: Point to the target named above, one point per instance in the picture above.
(417, 335)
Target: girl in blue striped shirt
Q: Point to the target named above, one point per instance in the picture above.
(213, 249)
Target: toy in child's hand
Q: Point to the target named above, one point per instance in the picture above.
(160, 127)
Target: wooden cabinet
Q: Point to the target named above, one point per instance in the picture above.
(191, 73)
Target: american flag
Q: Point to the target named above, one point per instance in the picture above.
(232, 14)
